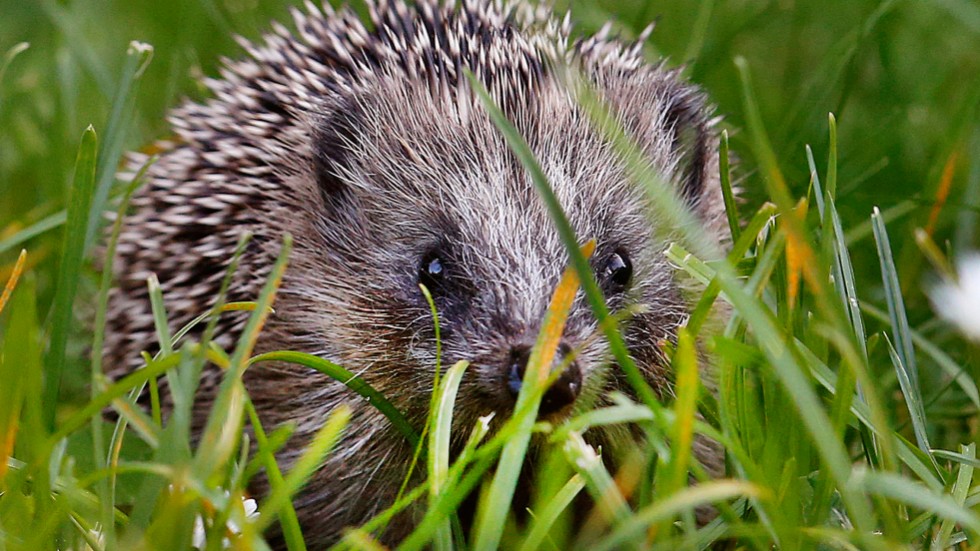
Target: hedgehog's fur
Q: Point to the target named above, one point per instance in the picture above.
(367, 144)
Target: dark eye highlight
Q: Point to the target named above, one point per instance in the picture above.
(617, 272)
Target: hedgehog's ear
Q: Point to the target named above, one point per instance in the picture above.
(335, 136)
(685, 117)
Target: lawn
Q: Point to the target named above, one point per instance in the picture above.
(846, 403)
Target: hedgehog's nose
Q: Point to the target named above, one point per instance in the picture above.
(559, 395)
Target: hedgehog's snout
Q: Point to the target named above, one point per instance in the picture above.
(561, 394)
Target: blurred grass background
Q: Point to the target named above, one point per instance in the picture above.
(903, 78)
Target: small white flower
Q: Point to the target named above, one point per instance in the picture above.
(959, 302)
(199, 540)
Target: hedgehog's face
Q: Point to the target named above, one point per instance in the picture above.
(424, 192)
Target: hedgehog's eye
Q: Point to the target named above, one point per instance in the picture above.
(617, 272)
(431, 271)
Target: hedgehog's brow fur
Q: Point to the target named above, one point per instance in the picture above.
(367, 144)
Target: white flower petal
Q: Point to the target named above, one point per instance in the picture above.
(959, 303)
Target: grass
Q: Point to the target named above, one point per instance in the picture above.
(847, 410)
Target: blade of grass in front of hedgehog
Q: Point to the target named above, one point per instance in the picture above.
(727, 192)
(97, 380)
(687, 387)
(700, 312)
(609, 501)
(309, 461)
(291, 531)
(589, 285)
(352, 382)
(440, 437)
(102, 301)
(420, 446)
(546, 517)
(460, 484)
(69, 268)
(220, 436)
(492, 512)
(164, 340)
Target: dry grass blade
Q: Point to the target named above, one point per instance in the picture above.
(8, 289)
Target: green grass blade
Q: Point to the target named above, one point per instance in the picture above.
(420, 447)
(905, 354)
(108, 489)
(352, 382)
(893, 296)
(72, 256)
(164, 338)
(291, 531)
(592, 292)
(45, 224)
(309, 461)
(138, 56)
(587, 463)
(731, 208)
(493, 510)
(917, 412)
(687, 386)
(439, 441)
(919, 496)
(832, 158)
(687, 499)
(960, 490)
(462, 485)
(219, 438)
(544, 520)
(793, 378)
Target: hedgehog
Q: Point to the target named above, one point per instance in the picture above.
(368, 144)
